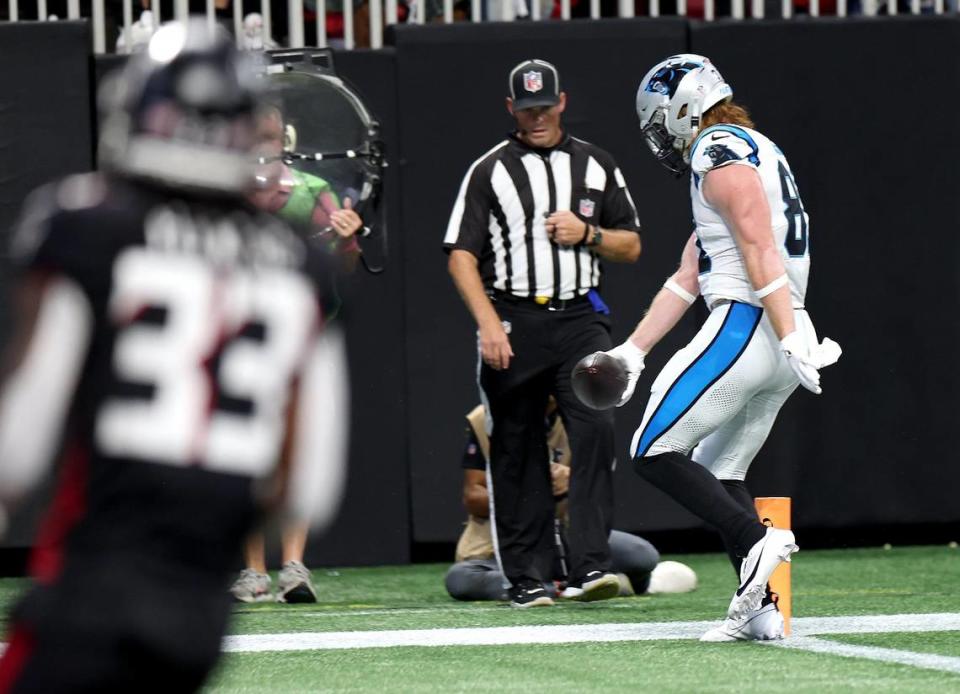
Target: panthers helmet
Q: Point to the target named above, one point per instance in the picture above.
(181, 113)
(670, 101)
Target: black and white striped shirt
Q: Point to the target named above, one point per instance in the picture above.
(503, 203)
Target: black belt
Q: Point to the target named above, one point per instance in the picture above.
(547, 303)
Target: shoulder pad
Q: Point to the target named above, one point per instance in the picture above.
(33, 236)
(720, 145)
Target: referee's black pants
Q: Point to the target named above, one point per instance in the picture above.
(546, 346)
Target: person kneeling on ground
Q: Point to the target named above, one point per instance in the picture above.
(476, 574)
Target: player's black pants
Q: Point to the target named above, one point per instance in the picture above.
(546, 346)
(111, 626)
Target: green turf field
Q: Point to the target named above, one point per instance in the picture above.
(846, 636)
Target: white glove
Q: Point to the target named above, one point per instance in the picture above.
(631, 357)
(806, 363)
(827, 353)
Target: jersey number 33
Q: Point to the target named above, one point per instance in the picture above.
(234, 336)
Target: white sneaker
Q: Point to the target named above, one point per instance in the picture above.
(672, 577)
(294, 584)
(765, 624)
(251, 586)
(776, 546)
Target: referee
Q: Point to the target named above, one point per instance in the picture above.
(533, 218)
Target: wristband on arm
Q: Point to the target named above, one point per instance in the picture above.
(772, 287)
(672, 286)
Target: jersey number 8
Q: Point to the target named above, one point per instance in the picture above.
(796, 241)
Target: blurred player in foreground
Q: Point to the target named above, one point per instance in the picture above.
(749, 259)
(310, 205)
(476, 575)
(171, 344)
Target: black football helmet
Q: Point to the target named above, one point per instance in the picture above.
(181, 113)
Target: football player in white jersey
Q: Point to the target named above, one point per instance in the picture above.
(748, 258)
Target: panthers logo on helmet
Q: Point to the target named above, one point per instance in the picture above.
(667, 79)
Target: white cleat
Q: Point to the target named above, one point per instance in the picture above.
(672, 577)
(775, 547)
(765, 624)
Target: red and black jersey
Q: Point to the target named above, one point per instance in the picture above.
(192, 321)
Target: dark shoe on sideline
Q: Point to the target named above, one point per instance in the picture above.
(529, 593)
(596, 585)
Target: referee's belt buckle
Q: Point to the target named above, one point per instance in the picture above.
(551, 304)
(547, 303)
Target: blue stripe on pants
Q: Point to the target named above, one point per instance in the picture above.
(738, 326)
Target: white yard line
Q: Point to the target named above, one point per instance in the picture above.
(484, 636)
(572, 633)
(876, 624)
(802, 639)
(927, 661)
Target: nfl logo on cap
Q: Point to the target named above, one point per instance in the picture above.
(533, 81)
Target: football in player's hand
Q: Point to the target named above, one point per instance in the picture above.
(599, 380)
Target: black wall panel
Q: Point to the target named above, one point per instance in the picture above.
(45, 108)
(373, 526)
(44, 115)
(45, 133)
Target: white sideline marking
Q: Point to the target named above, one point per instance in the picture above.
(571, 633)
(803, 628)
(483, 636)
(928, 661)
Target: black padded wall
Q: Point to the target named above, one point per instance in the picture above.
(44, 115)
(45, 107)
(45, 133)
(373, 526)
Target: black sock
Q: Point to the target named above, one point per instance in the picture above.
(737, 489)
(697, 490)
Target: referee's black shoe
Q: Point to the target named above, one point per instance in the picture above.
(529, 593)
(596, 585)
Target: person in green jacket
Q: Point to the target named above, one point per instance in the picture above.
(302, 199)
(309, 204)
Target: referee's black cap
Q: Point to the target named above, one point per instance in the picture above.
(534, 83)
